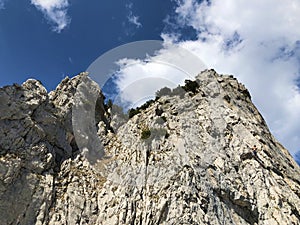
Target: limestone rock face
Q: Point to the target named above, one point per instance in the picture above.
(186, 159)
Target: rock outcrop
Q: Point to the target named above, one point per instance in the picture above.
(185, 159)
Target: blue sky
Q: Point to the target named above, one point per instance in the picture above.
(30, 46)
(257, 41)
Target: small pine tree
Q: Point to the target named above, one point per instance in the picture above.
(191, 86)
(146, 104)
(178, 91)
(163, 92)
(146, 133)
(133, 112)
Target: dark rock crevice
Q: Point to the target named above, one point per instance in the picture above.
(242, 207)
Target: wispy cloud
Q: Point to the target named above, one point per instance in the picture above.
(134, 20)
(55, 12)
(70, 59)
(259, 42)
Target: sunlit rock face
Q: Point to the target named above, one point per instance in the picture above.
(202, 156)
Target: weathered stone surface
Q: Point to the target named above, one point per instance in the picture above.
(195, 166)
(35, 138)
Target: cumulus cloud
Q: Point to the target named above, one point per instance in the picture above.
(135, 90)
(55, 11)
(138, 80)
(257, 41)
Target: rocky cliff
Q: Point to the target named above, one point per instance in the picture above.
(187, 158)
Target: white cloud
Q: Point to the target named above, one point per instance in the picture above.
(152, 76)
(138, 80)
(55, 11)
(134, 20)
(257, 41)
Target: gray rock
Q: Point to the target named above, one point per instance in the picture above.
(194, 166)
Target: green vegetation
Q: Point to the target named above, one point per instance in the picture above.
(163, 92)
(154, 133)
(146, 104)
(191, 86)
(132, 112)
(164, 118)
(178, 91)
(146, 133)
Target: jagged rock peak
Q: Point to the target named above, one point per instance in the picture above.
(203, 155)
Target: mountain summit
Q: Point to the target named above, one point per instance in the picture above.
(199, 155)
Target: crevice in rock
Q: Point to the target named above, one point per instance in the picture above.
(296, 213)
(243, 209)
(163, 213)
(277, 171)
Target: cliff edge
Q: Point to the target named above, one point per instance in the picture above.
(201, 156)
